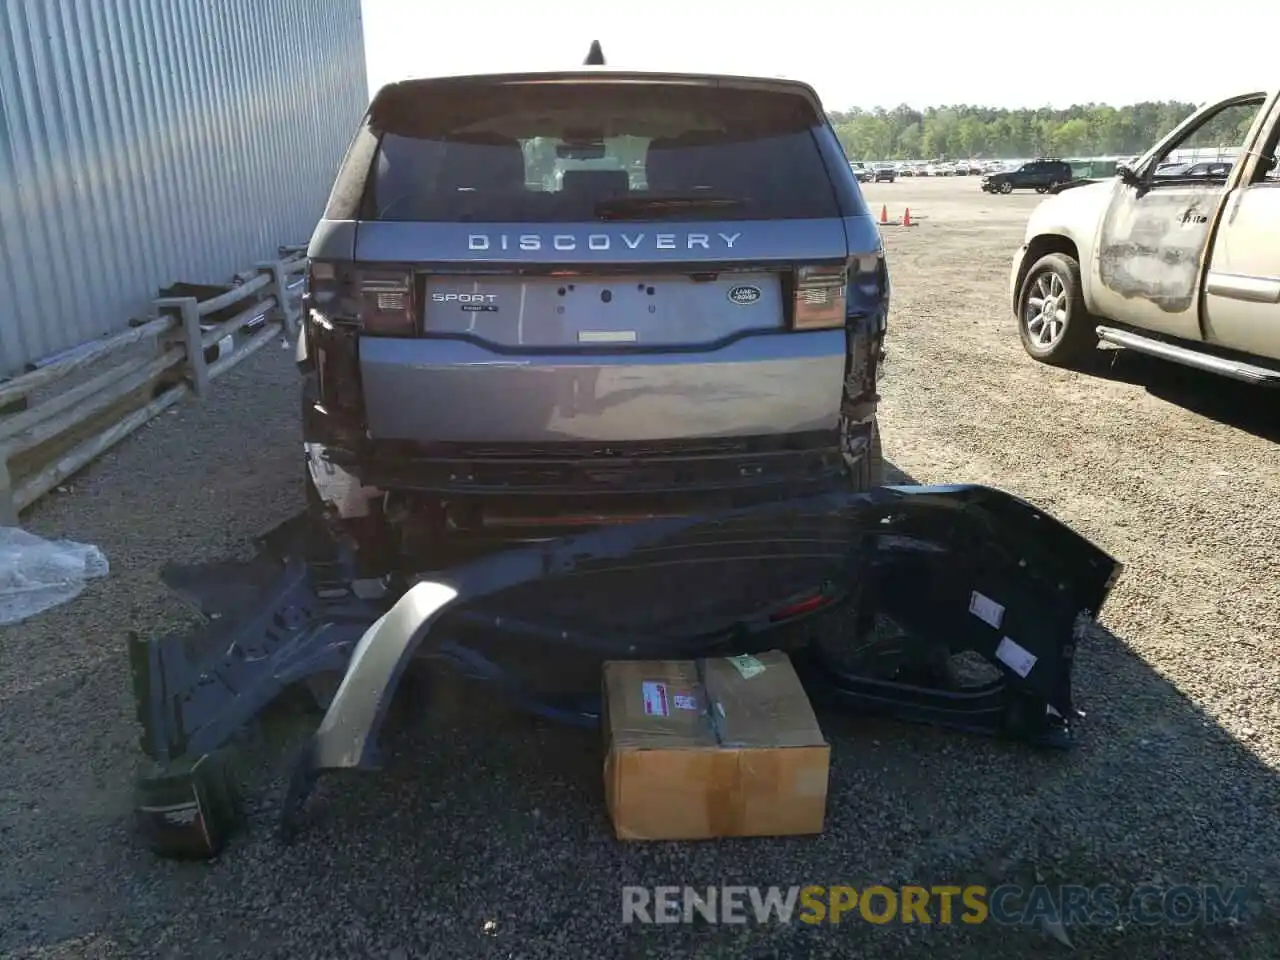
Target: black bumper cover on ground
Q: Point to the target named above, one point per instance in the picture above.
(953, 569)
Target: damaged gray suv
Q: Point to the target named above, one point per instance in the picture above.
(539, 302)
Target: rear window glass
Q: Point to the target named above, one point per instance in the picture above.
(565, 152)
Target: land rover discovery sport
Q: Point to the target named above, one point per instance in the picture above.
(543, 301)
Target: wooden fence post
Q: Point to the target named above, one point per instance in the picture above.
(8, 510)
(178, 371)
(189, 311)
(280, 290)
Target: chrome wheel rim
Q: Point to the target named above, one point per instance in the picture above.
(1045, 313)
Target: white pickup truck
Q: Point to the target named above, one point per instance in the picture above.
(1178, 256)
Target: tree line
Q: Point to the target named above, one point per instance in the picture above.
(957, 132)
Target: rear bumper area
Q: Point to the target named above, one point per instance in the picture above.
(516, 491)
(559, 470)
(458, 390)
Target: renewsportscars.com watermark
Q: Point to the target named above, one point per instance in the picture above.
(939, 904)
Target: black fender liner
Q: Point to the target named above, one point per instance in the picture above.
(966, 567)
(956, 568)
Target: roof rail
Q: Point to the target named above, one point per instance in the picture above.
(595, 56)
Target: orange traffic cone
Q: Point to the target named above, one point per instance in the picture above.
(906, 218)
(884, 214)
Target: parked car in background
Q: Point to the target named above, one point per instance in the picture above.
(884, 172)
(861, 171)
(1204, 170)
(1039, 175)
(960, 168)
(1178, 261)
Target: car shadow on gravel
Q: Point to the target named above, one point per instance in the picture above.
(1229, 402)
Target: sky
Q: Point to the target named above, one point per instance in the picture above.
(999, 53)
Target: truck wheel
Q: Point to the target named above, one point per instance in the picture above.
(1043, 188)
(1052, 321)
(1006, 187)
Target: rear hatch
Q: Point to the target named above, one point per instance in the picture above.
(592, 223)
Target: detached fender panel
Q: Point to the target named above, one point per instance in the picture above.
(956, 568)
(970, 567)
(345, 736)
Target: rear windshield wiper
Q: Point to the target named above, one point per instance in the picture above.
(623, 207)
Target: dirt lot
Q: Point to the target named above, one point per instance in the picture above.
(487, 837)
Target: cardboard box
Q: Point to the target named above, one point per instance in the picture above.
(726, 747)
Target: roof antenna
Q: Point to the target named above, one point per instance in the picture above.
(595, 56)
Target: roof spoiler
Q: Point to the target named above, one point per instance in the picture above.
(595, 56)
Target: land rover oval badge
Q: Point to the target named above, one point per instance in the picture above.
(744, 293)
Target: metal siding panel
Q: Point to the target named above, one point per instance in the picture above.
(148, 141)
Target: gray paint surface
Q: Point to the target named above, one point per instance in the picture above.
(475, 386)
(144, 142)
(655, 310)
(455, 390)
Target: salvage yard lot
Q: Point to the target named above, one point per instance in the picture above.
(487, 834)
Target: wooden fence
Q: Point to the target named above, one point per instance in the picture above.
(193, 342)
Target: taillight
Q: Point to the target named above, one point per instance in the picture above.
(322, 289)
(379, 301)
(827, 295)
(820, 297)
(868, 288)
(386, 302)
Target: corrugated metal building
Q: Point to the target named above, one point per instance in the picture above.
(144, 142)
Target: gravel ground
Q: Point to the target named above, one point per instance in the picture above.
(487, 834)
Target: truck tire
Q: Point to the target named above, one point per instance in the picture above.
(1053, 324)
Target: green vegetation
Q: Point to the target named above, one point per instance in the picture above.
(964, 132)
